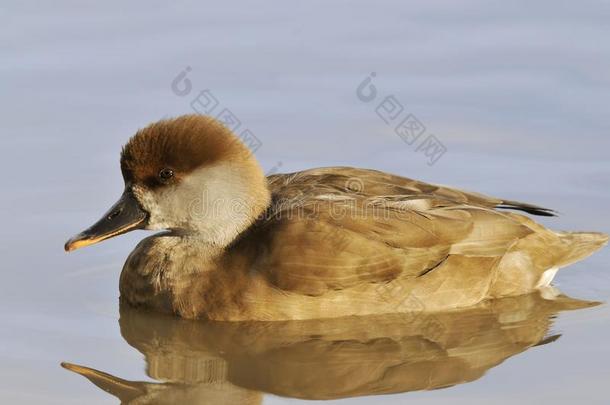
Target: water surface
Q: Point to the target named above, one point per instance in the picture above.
(517, 93)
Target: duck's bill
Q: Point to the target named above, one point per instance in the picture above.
(124, 216)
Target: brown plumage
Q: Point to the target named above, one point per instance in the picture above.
(320, 243)
(178, 144)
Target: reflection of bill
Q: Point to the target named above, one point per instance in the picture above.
(204, 103)
(410, 129)
(432, 148)
(389, 109)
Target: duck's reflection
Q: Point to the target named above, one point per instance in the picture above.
(233, 363)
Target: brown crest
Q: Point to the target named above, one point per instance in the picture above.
(182, 145)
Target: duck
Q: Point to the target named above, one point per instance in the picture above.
(235, 244)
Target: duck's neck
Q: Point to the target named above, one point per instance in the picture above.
(233, 199)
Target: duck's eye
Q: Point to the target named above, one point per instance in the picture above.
(166, 174)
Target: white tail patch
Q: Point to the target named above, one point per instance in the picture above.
(547, 277)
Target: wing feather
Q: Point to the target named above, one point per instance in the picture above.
(334, 228)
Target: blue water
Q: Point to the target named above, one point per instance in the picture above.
(517, 94)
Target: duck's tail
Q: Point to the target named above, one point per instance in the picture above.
(544, 252)
(525, 207)
(580, 245)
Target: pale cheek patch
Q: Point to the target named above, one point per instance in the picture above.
(216, 202)
(147, 200)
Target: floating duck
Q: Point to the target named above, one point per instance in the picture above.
(321, 243)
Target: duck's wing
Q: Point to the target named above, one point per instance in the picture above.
(349, 180)
(336, 228)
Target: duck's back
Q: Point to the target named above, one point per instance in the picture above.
(353, 241)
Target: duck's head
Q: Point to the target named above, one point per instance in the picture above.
(190, 175)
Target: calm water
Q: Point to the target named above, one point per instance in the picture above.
(517, 94)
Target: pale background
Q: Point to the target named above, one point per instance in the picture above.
(518, 93)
